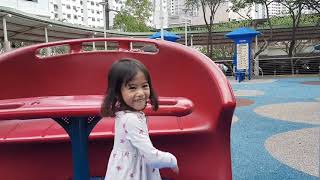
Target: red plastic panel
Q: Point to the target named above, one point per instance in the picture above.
(30, 128)
(200, 137)
(66, 106)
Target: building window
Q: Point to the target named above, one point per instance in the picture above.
(69, 16)
(55, 7)
(32, 0)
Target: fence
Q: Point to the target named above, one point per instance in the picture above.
(282, 65)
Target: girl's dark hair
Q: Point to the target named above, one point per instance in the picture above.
(123, 71)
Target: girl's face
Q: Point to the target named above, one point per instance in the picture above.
(136, 92)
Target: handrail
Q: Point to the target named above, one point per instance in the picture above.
(124, 43)
(83, 105)
(288, 58)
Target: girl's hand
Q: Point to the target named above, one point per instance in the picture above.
(175, 170)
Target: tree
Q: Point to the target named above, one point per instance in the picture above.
(295, 10)
(238, 5)
(133, 17)
(313, 5)
(212, 6)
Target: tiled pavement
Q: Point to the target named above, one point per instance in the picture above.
(276, 129)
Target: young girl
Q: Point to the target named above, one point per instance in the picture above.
(133, 156)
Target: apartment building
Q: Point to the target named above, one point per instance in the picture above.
(79, 12)
(175, 13)
(37, 7)
(258, 11)
(159, 13)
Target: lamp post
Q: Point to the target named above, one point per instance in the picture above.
(186, 26)
(161, 19)
(106, 11)
(186, 32)
(105, 6)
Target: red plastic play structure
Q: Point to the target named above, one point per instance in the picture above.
(41, 94)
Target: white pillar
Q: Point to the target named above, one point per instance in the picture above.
(6, 43)
(256, 60)
(186, 31)
(185, 26)
(161, 19)
(47, 50)
(104, 25)
(191, 40)
(93, 43)
(46, 34)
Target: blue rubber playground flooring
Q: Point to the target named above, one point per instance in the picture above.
(250, 158)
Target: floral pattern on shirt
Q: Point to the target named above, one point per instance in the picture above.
(133, 156)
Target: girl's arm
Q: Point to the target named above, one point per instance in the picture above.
(137, 134)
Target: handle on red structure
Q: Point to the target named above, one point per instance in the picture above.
(76, 45)
(171, 107)
(85, 105)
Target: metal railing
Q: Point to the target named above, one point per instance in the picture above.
(281, 65)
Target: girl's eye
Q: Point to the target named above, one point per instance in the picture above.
(132, 87)
(146, 86)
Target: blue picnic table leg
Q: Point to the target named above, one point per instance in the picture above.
(79, 129)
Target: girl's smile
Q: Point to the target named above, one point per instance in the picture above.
(136, 92)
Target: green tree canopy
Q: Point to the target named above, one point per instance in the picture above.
(133, 17)
(211, 6)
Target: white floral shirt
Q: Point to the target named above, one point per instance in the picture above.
(133, 156)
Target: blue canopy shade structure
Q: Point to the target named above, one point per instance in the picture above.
(242, 32)
(169, 36)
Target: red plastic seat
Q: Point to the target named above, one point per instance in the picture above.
(193, 122)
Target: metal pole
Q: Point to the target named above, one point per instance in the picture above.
(6, 43)
(185, 26)
(79, 143)
(48, 51)
(46, 34)
(107, 13)
(161, 18)
(93, 43)
(256, 60)
(186, 32)
(191, 40)
(104, 26)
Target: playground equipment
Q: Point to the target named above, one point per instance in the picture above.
(49, 98)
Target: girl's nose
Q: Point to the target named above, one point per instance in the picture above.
(140, 92)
